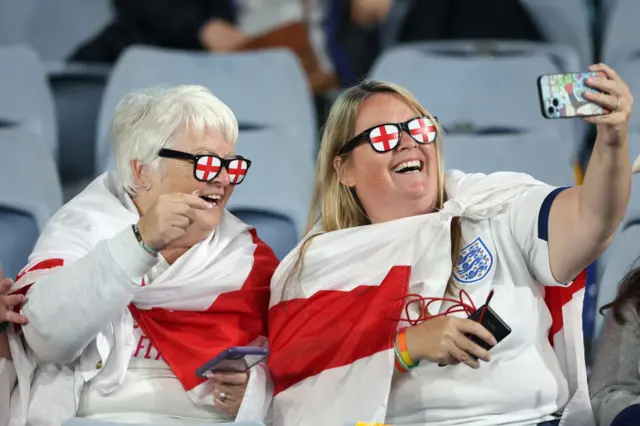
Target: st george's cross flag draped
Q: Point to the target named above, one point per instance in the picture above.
(213, 297)
(332, 322)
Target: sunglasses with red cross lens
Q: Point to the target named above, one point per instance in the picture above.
(206, 167)
(386, 137)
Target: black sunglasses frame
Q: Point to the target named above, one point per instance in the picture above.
(365, 135)
(195, 158)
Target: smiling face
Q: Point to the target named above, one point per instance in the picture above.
(395, 184)
(177, 176)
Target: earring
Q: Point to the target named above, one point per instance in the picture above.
(145, 186)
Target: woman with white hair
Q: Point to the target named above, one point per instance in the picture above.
(145, 276)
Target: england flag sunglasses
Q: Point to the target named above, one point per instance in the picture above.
(386, 137)
(207, 167)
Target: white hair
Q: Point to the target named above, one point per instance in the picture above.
(148, 120)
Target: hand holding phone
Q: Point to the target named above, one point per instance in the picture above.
(562, 95)
(236, 359)
(491, 321)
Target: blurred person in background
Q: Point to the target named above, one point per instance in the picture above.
(615, 378)
(365, 27)
(144, 277)
(224, 26)
(369, 314)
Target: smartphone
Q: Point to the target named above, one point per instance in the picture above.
(236, 359)
(562, 95)
(492, 322)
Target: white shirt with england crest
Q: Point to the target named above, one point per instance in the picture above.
(523, 383)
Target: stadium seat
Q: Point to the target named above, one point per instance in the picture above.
(57, 28)
(77, 90)
(477, 92)
(15, 20)
(29, 194)
(265, 89)
(279, 232)
(564, 22)
(19, 234)
(268, 93)
(536, 154)
(566, 58)
(277, 189)
(54, 28)
(25, 94)
(621, 35)
(630, 72)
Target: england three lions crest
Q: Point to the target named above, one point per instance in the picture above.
(474, 263)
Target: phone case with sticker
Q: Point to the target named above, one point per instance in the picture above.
(562, 95)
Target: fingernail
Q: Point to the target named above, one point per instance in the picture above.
(196, 192)
(592, 67)
(209, 375)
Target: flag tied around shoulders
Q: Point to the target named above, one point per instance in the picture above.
(332, 322)
(214, 296)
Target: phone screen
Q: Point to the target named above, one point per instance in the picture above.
(562, 95)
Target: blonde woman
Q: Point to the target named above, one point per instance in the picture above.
(368, 316)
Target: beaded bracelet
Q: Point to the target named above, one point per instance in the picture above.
(146, 248)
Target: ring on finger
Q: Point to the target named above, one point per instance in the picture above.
(223, 397)
(617, 103)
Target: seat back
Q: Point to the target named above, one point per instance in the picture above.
(19, 232)
(621, 35)
(15, 20)
(566, 58)
(29, 181)
(630, 72)
(277, 231)
(25, 95)
(265, 90)
(564, 22)
(58, 27)
(279, 181)
(536, 154)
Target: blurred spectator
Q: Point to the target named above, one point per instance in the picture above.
(186, 24)
(382, 22)
(225, 26)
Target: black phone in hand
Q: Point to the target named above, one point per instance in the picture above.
(492, 322)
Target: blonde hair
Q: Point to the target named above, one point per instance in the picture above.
(335, 206)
